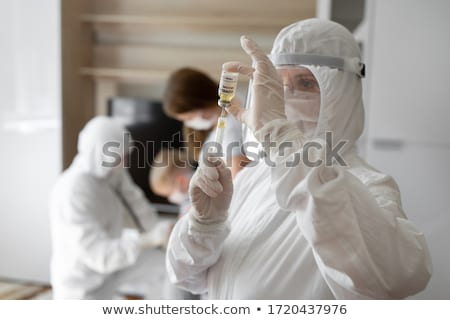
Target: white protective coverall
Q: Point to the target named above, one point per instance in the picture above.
(326, 232)
(91, 248)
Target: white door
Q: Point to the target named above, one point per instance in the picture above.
(30, 130)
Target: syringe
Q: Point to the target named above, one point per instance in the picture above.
(221, 125)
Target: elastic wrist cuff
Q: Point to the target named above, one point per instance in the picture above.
(203, 225)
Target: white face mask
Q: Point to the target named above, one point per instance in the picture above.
(177, 197)
(199, 123)
(303, 108)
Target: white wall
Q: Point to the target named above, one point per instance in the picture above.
(409, 114)
(410, 71)
(29, 134)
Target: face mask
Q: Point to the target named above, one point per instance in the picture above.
(177, 197)
(302, 108)
(198, 123)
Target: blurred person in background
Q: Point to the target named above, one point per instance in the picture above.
(93, 252)
(170, 178)
(191, 97)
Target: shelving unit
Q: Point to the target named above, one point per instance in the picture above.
(117, 47)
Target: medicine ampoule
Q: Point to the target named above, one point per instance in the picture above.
(227, 91)
(227, 88)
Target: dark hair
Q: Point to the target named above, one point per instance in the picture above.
(189, 89)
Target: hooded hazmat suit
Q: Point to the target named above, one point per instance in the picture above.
(307, 232)
(90, 246)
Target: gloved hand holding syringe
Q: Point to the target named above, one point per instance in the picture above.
(227, 91)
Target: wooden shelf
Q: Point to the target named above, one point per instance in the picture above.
(120, 74)
(138, 75)
(194, 21)
(165, 57)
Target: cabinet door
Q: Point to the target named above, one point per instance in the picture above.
(409, 71)
(423, 176)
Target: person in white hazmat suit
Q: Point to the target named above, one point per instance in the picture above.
(302, 231)
(93, 252)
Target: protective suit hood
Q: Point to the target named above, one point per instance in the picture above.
(91, 157)
(341, 106)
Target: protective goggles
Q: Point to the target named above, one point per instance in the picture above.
(297, 78)
(353, 65)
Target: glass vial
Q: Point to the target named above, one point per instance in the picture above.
(227, 87)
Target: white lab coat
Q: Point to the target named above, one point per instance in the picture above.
(307, 233)
(329, 233)
(91, 248)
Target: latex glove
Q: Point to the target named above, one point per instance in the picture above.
(267, 92)
(211, 189)
(157, 237)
